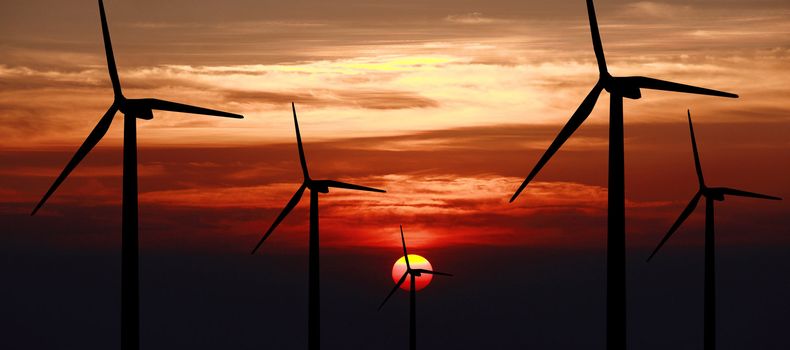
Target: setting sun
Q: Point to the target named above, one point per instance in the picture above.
(417, 262)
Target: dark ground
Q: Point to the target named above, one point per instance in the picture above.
(535, 298)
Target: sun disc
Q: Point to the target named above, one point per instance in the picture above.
(416, 262)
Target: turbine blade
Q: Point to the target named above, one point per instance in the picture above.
(397, 285)
(93, 138)
(683, 216)
(116, 83)
(162, 105)
(405, 254)
(656, 84)
(741, 193)
(299, 144)
(696, 153)
(596, 37)
(338, 184)
(288, 207)
(435, 273)
(575, 121)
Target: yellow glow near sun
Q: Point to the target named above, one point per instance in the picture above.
(399, 63)
(414, 260)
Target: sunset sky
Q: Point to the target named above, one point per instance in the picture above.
(445, 104)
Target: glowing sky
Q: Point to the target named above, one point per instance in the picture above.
(446, 104)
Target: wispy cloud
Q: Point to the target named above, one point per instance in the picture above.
(472, 18)
(332, 98)
(410, 198)
(655, 9)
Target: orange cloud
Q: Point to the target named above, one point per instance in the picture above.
(448, 111)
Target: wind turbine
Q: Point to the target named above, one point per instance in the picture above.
(711, 194)
(412, 274)
(618, 88)
(131, 109)
(315, 187)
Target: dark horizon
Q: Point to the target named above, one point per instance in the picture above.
(206, 301)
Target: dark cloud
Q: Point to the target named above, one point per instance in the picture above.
(242, 32)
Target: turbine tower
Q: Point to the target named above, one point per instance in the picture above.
(711, 194)
(131, 109)
(412, 274)
(315, 187)
(618, 88)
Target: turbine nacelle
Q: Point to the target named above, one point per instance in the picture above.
(622, 87)
(716, 194)
(131, 107)
(319, 186)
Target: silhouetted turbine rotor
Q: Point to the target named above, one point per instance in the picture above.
(624, 86)
(134, 108)
(321, 186)
(409, 271)
(713, 193)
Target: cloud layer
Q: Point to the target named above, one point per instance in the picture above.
(446, 109)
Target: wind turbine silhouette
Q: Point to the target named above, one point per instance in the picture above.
(315, 187)
(131, 109)
(711, 194)
(412, 274)
(618, 88)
